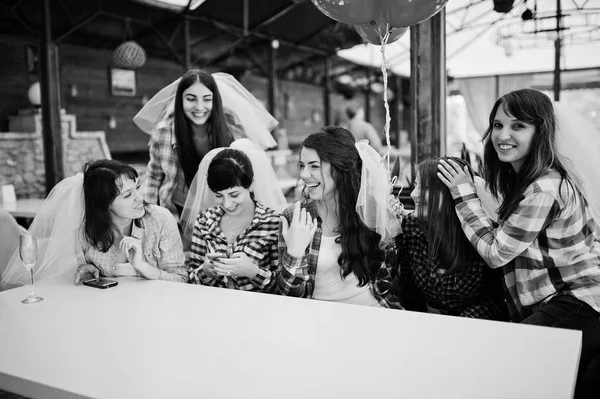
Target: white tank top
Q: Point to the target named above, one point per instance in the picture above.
(329, 285)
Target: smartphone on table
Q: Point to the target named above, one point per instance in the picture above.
(101, 283)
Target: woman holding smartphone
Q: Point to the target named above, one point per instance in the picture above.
(234, 241)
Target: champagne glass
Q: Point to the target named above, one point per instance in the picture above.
(28, 251)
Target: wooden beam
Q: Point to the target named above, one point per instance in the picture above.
(272, 98)
(187, 50)
(50, 94)
(428, 89)
(245, 34)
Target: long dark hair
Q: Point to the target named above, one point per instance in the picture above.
(360, 246)
(102, 183)
(229, 168)
(218, 132)
(438, 219)
(533, 107)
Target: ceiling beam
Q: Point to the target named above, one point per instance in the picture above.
(246, 34)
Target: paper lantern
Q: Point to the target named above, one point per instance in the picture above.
(129, 55)
(34, 94)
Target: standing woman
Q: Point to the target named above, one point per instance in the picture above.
(182, 138)
(196, 113)
(547, 238)
(440, 271)
(333, 244)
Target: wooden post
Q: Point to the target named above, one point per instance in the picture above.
(50, 94)
(273, 78)
(557, 51)
(326, 93)
(428, 89)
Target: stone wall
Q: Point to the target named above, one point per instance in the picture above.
(22, 153)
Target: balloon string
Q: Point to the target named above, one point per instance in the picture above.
(386, 127)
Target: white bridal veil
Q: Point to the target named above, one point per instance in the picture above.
(372, 204)
(248, 112)
(265, 186)
(57, 228)
(578, 144)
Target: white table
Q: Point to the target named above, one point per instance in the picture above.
(23, 208)
(155, 339)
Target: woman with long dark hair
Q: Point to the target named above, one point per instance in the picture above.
(332, 245)
(184, 135)
(440, 271)
(547, 237)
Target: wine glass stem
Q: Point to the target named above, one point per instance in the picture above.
(31, 294)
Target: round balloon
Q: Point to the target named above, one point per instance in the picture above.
(375, 33)
(399, 13)
(349, 11)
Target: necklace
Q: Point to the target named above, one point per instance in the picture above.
(234, 228)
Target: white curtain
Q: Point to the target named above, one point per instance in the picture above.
(481, 93)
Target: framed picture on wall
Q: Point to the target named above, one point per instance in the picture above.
(122, 82)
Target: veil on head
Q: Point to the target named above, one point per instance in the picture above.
(373, 205)
(265, 185)
(248, 113)
(58, 230)
(578, 146)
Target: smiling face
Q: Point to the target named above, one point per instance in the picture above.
(512, 138)
(235, 200)
(129, 204)
(197, 103)
(316, 175)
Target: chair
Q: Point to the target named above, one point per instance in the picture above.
(9, 238)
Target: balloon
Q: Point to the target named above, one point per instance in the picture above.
(400, 13)
(349, 11)
(374, 33)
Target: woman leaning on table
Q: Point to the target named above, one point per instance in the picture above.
(97, 223)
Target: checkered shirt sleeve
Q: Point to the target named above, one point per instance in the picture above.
(163, 168)
(258, 242)
(547, 245)
(161, 245)
(297, 274)
(475, 290)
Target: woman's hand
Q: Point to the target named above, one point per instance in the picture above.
(452, 175)
(238, 265)
(299, 233)
(208, 266)
(133, 249)
(86, 271)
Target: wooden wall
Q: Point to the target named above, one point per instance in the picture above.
(299, 105)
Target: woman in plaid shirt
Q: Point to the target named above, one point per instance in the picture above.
(234, 244)
(440, 270)
(182, 138)
(326, 250)
(546, 240)
(97, 223)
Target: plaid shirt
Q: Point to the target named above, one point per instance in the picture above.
(163, 170)
(161, 244)
(297, 275)
(258, 241)
(473, 291)
(548, 245)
